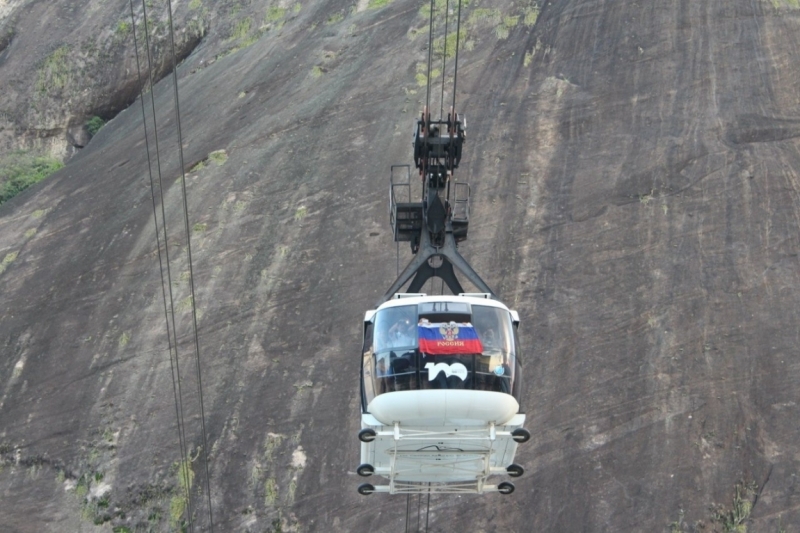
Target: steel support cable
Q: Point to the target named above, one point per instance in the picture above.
(430, 60)
(189, 258)
(174, 367)
(408, 509)
(428, 509)
(419, 509)
(453, 107)
(455, 72)
(444, 56)
(427, 111)
(441, 112)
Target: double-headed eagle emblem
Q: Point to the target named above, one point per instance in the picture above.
(449, 331)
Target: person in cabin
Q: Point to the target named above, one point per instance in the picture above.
(402, 334)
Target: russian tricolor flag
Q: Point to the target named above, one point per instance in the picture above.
(449, 338)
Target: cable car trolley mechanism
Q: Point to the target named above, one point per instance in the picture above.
(441, 375)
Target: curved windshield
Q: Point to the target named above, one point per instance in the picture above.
(442, 345)
(396, 328)
(495, 366)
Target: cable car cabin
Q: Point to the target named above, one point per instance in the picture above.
(441, 381)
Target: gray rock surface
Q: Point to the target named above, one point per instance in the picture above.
(634, 197)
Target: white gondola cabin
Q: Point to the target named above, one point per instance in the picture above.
(441, 383)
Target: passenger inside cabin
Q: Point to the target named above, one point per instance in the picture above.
(402, 334)
(489, 340)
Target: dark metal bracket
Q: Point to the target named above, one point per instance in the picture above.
(421, 270)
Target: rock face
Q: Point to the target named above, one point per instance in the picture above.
(64, 62)
(634, 197)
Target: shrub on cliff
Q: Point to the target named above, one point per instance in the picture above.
(20, 170)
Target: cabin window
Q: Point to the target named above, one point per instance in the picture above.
(395, 359)
(396, 328)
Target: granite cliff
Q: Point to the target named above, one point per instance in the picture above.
(635, 198)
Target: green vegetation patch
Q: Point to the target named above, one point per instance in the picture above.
(528, 58)
(501, 31)
(530, 16)
(735, 519)
(316, 71)
(491, 16)
(422, 74)
(123, 28)
(242, 29)
(20, 170)
(197, 26)
(54, 74)
(375, 4)
(335, 18)
(124, 339)
(94, 124)
(447, 46)
(270, 492)
(195, 4)
(179, 502)
(7, 260)
(184, 305)
(791, 4)
(218, 157)
(275, 13)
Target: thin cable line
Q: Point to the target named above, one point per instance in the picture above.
(444, 56)
(174, 364)
(189, 256)
(428, 510)
(397, 256)
(408, 509)
(430, 61)
(455, 73)
(155, 222)
(419, 509)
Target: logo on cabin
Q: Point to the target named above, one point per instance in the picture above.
(449, 332)
(456, 369)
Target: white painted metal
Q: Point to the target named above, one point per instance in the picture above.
(460, 408)
(440, 441)
(439, 459)
(414, 299)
